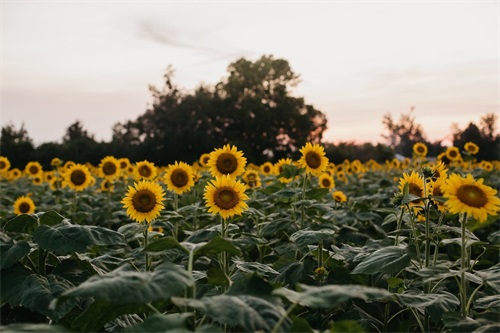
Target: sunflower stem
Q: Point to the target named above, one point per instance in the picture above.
(147, 259)
(398, 225)
(303, 208)
(463, 286)
(224, 265)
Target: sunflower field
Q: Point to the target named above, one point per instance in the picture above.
(224, 245)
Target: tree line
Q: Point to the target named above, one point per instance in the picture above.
(252, 108)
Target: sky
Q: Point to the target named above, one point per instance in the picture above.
(93, 61)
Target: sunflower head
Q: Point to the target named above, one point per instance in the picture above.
(4, 164)
(313, 159)
(267, 168)
(469, 196)
(24, 205)
(204, 158)
(420, 149)
(452, 153)
(145, 170)
(326, 181)
(33, 169)
(109, 168)
(436, 190)
(14, 174)
(144, 201)
(415, 183)
(225, 196)
(77, 177)
(251, 178)
(55, 162)
(227, 160)
(471, 148)
(279, 169)
(339, 196)
(179, 177)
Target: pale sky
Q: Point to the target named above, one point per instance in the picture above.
(93, 61)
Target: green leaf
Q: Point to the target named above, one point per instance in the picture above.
(272, 228)
(331, 296)
(50, 218)
(251, 267)
(487, 302)
(14, 254)
(174, 322)
(436, 304)
(346, 326)
(36, 328)
(64, 239)
(123, 286)
(217, 277)
(217, 245)
(389, 259)
(308, 237)
(37, 292)
(11, 282)
(23, 223)
(317, 193)
(165, 243)
(410, 198)
(248, 312)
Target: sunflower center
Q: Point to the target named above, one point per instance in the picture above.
(227, 163)
(251, 176)
(472, 196)
(145, 171)
(313, 160)
(33, 170)
(325, 182)
(205, 160)
(3, 165)
(144, 201)
(226, 198)
(109, 168)
(24, 207)
(421, 150)
(452, 153)
(437, 192)
(78, 177)
(179, 178)
(415, 189)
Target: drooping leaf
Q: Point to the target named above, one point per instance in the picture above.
(217, 245)
(436, 304)
(23, 223)
(248, 312)
(255, 267)
(308, 237)
(488, 302)
(50, 218)
(165, 243)
(12, 255)
(11, 282)
(64, 239)
(389, 259)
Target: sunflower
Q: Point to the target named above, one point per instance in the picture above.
(77, 177)
(436, 190)
(452, 153)
(252, 179)
(124, 163)
(339, 196)
(267, 168)
(145, 170)
(4, 164)
(313, 159)
(470, 196)
(144, 201)
(179, 177)
(439, 171)
(225, 196)
(37, 180)
(55, 162)
(33, 168)
(415, 185)
(471, 148)
(278, 169)
(107, 186)
(24, 205)
(420, 149)
(227, 161)
(341, 175)
(14, 174)
(109, 168)
(204, 158)
(486, 165)
(326, 181)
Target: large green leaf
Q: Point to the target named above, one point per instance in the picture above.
(331, 296)
(217, 245)
(14, 254)
(66, 238)
(50, 218)
(488, 302)
(37, 292)
(124, 286)
(308, 237)
(436, 304)
(165, 243)
(23, 223)
(248, 312)
(389, 259)
(11, 282)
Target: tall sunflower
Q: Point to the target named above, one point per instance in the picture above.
(179, 177)
(326, 181)
(225, 196)
(227, 160)
(470, 196)
(415, 185)
(313, 159)
(420, 149)
(33, 168)
(145, 170)
(109, 168)
(24, 205)
(471, 148)
(144, 201)
(77, 177)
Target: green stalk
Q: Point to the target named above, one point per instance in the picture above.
(303, 198)
(42, 257)
(282, 319)
(463, 286)
(398, 225)
(146, 255)
(224, 264)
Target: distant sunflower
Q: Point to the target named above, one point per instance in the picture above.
(470, 196)
(33, 168)
(109, 168)
(55, 162)
(37, 180)
(452, 153)
(179, 177)
(24, 205)
(124, 163)
(227, 160)
(471, 148)
(204, 158)
(313, 159)
(144, 201)
(341, 175)
(145, 170)
(439, 171)
(77, 177)
(14, 174)
(420, 149)
(326, 181)
(4, 164)
(252, 179)
(415, 185)
(267, 168)
(339, 196)
(436, 190)
(225, 196)
(278, 169)
(486, 165)
(107, 186)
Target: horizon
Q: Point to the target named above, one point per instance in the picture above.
(93, 62)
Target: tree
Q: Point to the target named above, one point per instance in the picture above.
(485, 137)
(79, 146)
(16, 145)
(251, 108)
(402, 135)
